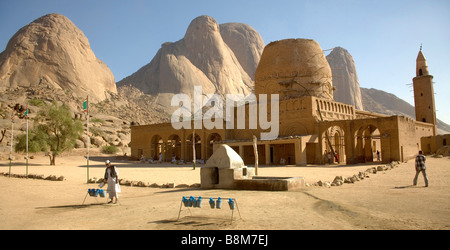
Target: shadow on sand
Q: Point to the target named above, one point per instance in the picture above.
(78, 206)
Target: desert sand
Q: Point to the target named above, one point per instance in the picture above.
(386, 200)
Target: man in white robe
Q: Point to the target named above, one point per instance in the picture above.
(112, 179)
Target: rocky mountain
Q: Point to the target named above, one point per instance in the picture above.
(51, 60)
(246, 43)
(51, 51)
(345, 78)
(203, 57)
(379, 101)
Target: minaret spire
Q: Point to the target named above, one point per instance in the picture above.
(424, 93)
(421, 64)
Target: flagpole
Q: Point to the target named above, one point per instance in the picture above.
(26, 117)
(12, 136)
(88, 138)
(193, 148)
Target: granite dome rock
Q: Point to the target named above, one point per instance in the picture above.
(52, 51)
(200, 58)
(246, 43)
(345, 78)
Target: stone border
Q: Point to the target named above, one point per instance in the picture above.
(339, 180)
(34, 176)
(129, 183)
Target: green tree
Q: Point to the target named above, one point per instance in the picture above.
(54, 131)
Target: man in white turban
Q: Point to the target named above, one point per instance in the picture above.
(112, 179)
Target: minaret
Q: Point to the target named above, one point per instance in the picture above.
(424, 93)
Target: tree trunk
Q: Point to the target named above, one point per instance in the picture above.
(52, 159)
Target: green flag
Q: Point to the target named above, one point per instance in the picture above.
(85, 106)
(26, 112)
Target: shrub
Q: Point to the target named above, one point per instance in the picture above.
(110, 149)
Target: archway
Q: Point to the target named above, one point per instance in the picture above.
(156, 147)
(174, 147)
(333, 145)
(368, 144)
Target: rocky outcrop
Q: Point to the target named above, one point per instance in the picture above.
(201, 58)
(345, 78)
(246, 43)
(379, 101)
(51, 51)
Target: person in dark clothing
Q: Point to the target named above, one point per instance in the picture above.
(421, 167)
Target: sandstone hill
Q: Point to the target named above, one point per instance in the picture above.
(208, 56)
(345, 78)
(52, 51)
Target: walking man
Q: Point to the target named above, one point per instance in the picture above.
(420, 167)
(112, 179)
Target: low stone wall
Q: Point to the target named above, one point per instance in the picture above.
(270, 183)
(130, 183)
(34, 176)
(340, 180)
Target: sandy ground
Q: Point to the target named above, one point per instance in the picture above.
(386, 200)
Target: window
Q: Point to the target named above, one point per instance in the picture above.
(444, 142)
(420, 72)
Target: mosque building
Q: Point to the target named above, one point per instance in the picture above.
(312, 127)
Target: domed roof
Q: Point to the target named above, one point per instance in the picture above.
(294, 68)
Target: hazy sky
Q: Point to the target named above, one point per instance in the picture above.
(383, 36)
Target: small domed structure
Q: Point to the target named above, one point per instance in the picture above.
(294, 68)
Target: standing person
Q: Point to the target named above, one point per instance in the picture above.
(112, 178)
(160, 158)
(378, 156)
(420, 167)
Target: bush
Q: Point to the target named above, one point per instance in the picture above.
(110, 149)
(96, 131)
(37, 102)
(97, 120)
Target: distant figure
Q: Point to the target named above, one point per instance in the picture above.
(112, 179)
(174, 159)
(378, 155)
(142, 158)
(160, 158)
(329, 158)
(282, 161)
(150, 160)
(420, 167)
